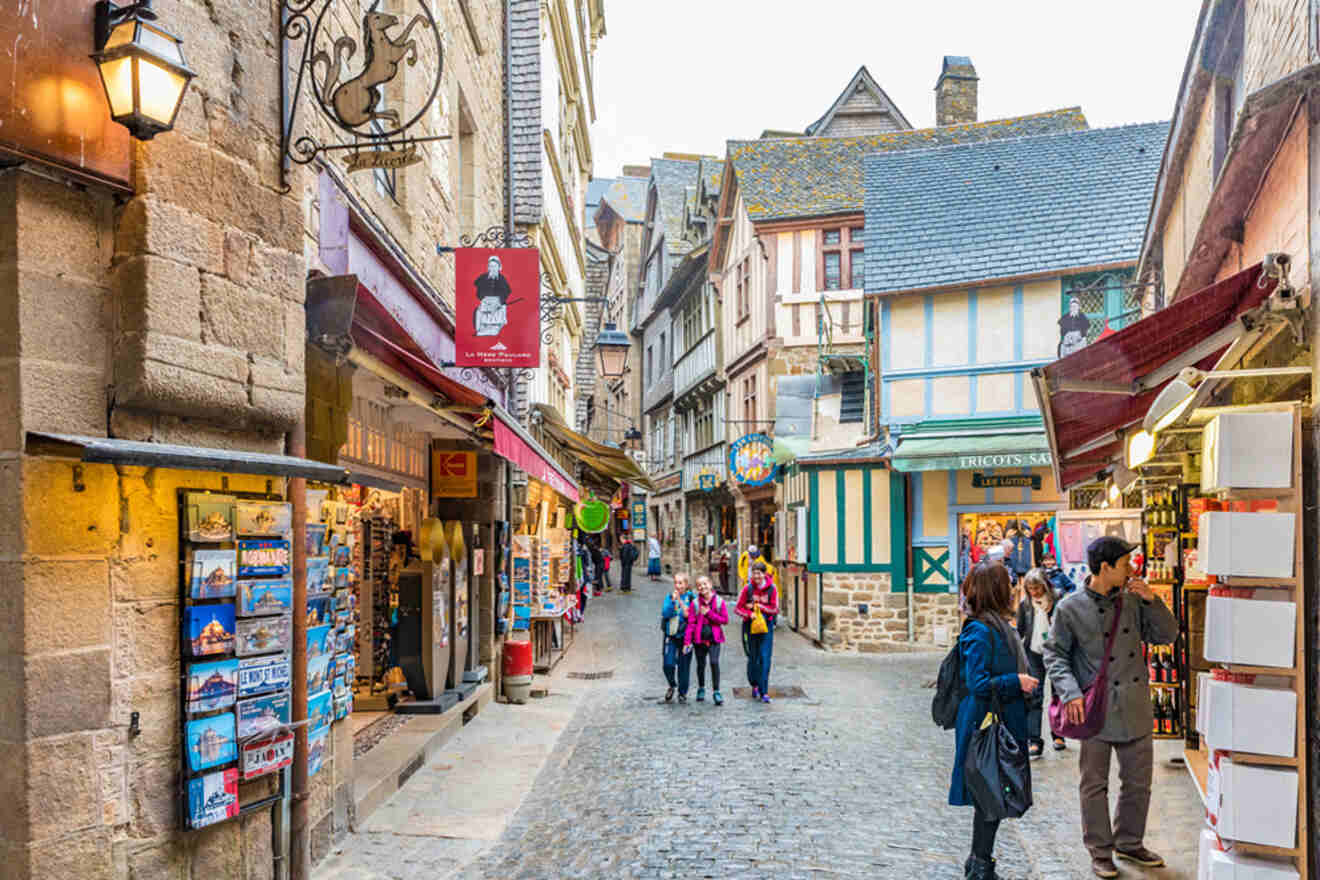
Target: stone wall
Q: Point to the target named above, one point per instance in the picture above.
(860, 613)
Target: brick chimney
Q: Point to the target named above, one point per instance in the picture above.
(636, 170)
(955, 91)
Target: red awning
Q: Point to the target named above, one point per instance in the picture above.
(1089, 396)
(513, 444)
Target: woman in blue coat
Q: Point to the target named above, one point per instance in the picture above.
(993, 662)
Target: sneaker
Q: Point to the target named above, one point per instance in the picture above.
(1035, 750)
(682, 698)
(1141, 856)
(765, 698)
(717, 699)
(1104, 867)
(669, 695)
(701, 695)
(1059, 744)
(756, 693)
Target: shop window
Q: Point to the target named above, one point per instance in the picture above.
(833, 268)
(1093, 303)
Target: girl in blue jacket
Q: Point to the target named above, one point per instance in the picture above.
(677, 663)
(993, 662)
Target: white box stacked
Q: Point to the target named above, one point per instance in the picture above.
(1252, 804)
(1260, 631)
(1250, 718)
(1247, 451)
(1215, 864)
(1246, 544)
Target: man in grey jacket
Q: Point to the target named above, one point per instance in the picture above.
(1073, 652)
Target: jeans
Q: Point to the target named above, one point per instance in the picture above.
(760, 647)
(625, 579)
(713, 652)
(677, 665)
(1035, 702)
(983, 835)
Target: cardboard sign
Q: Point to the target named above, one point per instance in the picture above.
(497, 307)
(453, 474)
(267, 755)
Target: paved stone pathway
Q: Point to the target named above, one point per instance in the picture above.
(850, 781)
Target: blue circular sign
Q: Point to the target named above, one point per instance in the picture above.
(751, 460)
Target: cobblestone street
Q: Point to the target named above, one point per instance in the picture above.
(850, 781)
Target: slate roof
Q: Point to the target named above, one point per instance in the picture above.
(787, 178)
(1004, 208)
(671, 178)
(712, 171)
(626, 195)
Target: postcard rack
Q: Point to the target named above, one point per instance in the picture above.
(235, 630)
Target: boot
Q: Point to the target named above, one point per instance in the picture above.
(981, 869)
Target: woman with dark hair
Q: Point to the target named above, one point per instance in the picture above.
(993, 664)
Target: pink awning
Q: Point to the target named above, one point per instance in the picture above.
(513, 445)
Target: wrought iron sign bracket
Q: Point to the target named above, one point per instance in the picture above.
(352, 103)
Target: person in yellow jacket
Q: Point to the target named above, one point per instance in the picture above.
(745, 561)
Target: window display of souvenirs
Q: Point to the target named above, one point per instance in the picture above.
(209, 629)
(211, 741)
(212, 685)
(261, 598)
(262, 635)
(211, 574)
(212, 798)
(262, 714)
(263, 518)
(210, 517)
(263, 558)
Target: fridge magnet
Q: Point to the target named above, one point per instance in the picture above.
(263, 518)
(212, 685)
(319, 712)
(260, 598)
(318, 670)
(319, 610)
(211, 741)
(267, 755)
(212, 798)
(318, 575)
(261, 635)
(316, 743)
(210, 517)
(259, 675)
(263, 557)
(315, 536)
(211, 574)
(210, 629)
(319, 640)
(262, 714)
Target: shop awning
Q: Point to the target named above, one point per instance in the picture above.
(608, 461)
(517, 446)
(1091, 396)
(110, 450)
(964, 453)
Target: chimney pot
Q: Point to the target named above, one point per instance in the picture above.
(955, 91)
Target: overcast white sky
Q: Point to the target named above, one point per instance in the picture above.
(687, 75)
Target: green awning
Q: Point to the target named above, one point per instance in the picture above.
(969, 453)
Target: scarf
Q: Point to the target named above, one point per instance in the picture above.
(1010, 636)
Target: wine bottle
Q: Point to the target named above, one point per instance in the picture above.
(1150, 663)
(1175, 714)
(1155, 712)
(1170, 666)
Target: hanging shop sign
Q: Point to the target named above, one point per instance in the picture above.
(453, 474)
(497, 307)
(751, 460)
(639, 515)
(350, 64)
(706, 482)
(669, 482)
(593, 515)
(1005, 481)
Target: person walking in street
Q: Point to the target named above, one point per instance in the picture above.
(653, 558)
(758, 597)
(608, 558)
(677, 662)
(750, 557)
(597, 564)
(705, 636)
(1113, 601)
(724, 571)
(1034, 614)
(627, 556)
(993, 664)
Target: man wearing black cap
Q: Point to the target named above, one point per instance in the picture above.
(1073, 652)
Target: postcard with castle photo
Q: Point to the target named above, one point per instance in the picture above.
(262, 598)
(318, 672)
(211, 741)
(316, 743)
(210, 517)
(262, 635)
(211, 574)
(318, 575)
(263, 517)
(320, 640)
(320, 711)
(209, 629)
(315, 535)
(263, 557)
(212, 798)
(320, 610)
(262, 714)
(212, 685)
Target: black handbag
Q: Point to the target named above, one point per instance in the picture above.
(997, 769)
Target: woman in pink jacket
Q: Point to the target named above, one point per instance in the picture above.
(705, 633)
(759, 594)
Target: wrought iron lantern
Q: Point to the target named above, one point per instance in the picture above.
(612, 351)
(141, 66)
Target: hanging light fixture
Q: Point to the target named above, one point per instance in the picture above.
(141, 66)
(1140, 448)
(612, 347)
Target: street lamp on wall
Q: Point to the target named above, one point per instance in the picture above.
(141, 66)
(612, 347)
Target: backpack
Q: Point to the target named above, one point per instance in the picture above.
(949, 690)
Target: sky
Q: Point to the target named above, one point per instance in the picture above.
(687, 75)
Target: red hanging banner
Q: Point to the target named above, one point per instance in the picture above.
(497, 301)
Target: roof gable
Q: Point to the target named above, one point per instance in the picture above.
(862, 95)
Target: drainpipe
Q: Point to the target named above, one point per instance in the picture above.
(297, 847)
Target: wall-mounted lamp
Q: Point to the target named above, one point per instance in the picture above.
(612, 347)
(1140, 448)
(1172, 400)
(141, 67)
